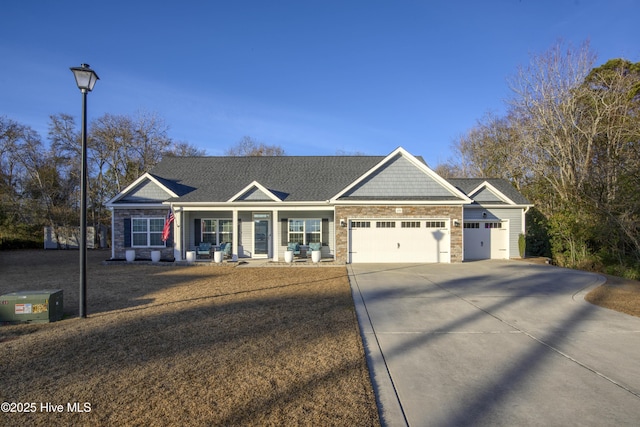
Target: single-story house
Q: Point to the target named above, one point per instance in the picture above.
(391, 209)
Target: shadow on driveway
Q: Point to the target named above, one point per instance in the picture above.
(495, 343)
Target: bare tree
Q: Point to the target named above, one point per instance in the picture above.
(184, 149)
(247, 146)
(548, 114)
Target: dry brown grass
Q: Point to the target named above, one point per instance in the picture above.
(617, 294)
(192, 345)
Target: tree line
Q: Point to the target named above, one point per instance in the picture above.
(569, 141)
(40, 182)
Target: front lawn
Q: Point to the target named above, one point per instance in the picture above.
(191, 345)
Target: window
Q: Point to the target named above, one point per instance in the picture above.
(216, 231)
(410, 224)
(312, 231)
(360, 224)
(209, 227)
(226, 230)
(434, 224)
(471, 225)
(385, 224)
(492, 225)
(305, 231)
(147, 232)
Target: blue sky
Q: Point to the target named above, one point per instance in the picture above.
(314, 77)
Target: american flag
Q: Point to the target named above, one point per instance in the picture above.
(167, 225)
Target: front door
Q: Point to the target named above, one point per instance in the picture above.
(260, 235)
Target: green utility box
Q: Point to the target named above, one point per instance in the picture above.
(31, 306)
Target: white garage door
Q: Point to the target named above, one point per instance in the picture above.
(486, 240)
(399, 240)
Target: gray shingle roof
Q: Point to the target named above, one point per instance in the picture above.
(296, 178)
(291, 178)
(467, 185)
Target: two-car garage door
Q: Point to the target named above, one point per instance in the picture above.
(399, 240)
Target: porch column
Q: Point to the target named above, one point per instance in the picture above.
(234, 245)
(113, 233)
(178, 238)
(275, 234)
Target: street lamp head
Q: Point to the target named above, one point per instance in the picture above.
(85, 77)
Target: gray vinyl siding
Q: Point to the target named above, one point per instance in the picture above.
(254, 194)
(398, 178)
(487, 196)
(513, 215)
(146, 192)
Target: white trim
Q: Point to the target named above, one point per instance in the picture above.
(421, 166)
(255, 184)
(113, 235)
(479, 206)
(245, 207)
(402, 202)
(140, 206)
(134, 184)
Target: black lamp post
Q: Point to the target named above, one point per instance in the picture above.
(85, 79)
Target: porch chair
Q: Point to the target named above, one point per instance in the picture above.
(226, 249)
(294, 247)
(203, 250)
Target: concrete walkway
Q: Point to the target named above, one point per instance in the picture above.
(495, 343)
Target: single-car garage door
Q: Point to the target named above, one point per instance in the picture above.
(486, 240)
(399, 240)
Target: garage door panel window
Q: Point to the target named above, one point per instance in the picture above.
(471, 225)
(492, 225)
(410, 224)
(360, 224)
(435, 224)
(385, 224)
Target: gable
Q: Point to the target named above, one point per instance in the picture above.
(486, 196)
(146, 191)
(490, 191)
(254, 194)
(400, 179)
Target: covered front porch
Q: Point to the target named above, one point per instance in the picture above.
(253, 233)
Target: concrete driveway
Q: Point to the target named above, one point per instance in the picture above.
(495, 343)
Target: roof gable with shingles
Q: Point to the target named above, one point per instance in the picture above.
(400, 179)
(468, 185)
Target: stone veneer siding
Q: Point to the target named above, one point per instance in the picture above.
(348, 213)
(118, 233)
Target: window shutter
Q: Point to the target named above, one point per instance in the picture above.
(325, 231)
(127, 232)
(284, 232)
(197, 230)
